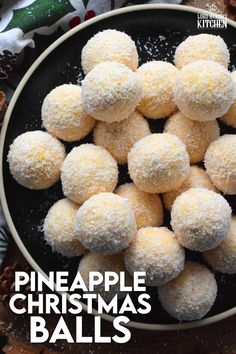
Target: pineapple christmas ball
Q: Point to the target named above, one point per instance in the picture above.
(59, 229)
(158, 163)
(158, 78)
(196, 136)
(200, 219)
(204, 90)
(106, 224)
(63, 114)
(147, 208)
(197, 177)
(87, 170)
(109, 45)
(155, 251)
(35, 159)
(230, 117)
(220, 163)
(119, 137)
(202, 47)
(111, 91)
(92, 262)
(191, 295)
(223, 257)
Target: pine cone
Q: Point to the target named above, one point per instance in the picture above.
(7, 284)
(13, 334)
(3, 106)
(230, 9)
(231, 2)
(8, 62)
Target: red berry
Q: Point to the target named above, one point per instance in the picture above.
(89, 14)
(75, 21)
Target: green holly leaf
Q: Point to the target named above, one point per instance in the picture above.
(40, 13)
(85, 3)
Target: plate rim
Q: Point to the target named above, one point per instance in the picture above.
(26, 77)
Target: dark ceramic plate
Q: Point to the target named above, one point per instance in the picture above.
(157, 30)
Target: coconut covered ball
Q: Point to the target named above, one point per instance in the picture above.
(191, 295)
(63, 114)
(202, 47)
(197, 177)
(35, 159)
(109, 45)
(92, 262)
(87, 170)
(230, 117)
(111, 91)
(223, 257)
(220, 163)
(204, 90)
(155, 251)
(200, 219)
(59, 229)
(106, 224)
(196, 136)
(158, 163)
(158, 78)
(119, 137)
(147, 208)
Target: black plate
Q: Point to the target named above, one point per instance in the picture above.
(157, 32)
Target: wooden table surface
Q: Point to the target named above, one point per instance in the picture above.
(219, 338)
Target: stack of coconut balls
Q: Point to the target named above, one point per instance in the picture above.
(120, 228)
